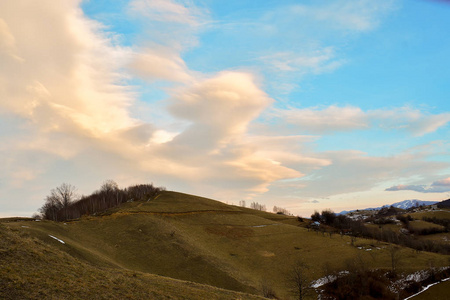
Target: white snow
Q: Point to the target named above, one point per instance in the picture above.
(418, 276)
(327, 279)
(264, 225)
(322, 281)
(61, 241)
(25, 226)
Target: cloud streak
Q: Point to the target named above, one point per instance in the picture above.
(337, 119)
(440, 186)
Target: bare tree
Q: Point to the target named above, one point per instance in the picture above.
(257, 206)
(64, 194)
(394, 253)
(109, 186)
(51, 208)
(281, 210)
(298, 280)
(58, 201)
(267, 290)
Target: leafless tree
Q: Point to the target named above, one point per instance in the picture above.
(59, 200)
(298, 280)
(267, 290)
(66, 194)
(281, 210)
(394, 253)
(257, 206)
(109, 186)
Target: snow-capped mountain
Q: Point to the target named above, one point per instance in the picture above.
(402, 204)
(411, 203)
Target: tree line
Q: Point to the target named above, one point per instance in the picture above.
(64, 204)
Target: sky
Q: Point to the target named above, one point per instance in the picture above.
(306, 105)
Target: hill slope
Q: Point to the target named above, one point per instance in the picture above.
(33, 269)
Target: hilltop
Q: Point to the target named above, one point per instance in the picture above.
(163, 245)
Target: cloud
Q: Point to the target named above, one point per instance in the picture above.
(219, 110)
(355, 171)
(332, 118)
(439, 186)
(60, 92)
(413, 120)
(7, 41)
(361, 15)
(170, 23)
(222, 105)
(68, 72)
(335, 119)
(316, 62)
(182, 12)
(160, 63)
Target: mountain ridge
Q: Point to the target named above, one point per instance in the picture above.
(405, 204)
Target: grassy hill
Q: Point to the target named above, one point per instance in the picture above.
(183, 237)
(33, 269)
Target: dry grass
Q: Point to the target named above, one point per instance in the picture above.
(419, 224)
(33, 269)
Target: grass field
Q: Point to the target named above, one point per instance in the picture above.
(205, 241)
(419, 224)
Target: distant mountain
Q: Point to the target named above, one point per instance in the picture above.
(406, 204)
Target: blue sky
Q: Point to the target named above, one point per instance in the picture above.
(305, 105)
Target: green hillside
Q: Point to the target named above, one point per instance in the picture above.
(188, 238)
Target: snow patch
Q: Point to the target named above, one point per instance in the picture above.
(327, 279)
(264, 225)
(61, 241)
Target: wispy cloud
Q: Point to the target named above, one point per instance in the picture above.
(170, 23)
(354, 171)
(160, 63)
(318, 61)
(169, 11)
(360, 15)
(334, 119)
(440, 186)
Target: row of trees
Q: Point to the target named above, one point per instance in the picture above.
(262, 207)
(257, 206)
(281, 211)
(64, 204)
